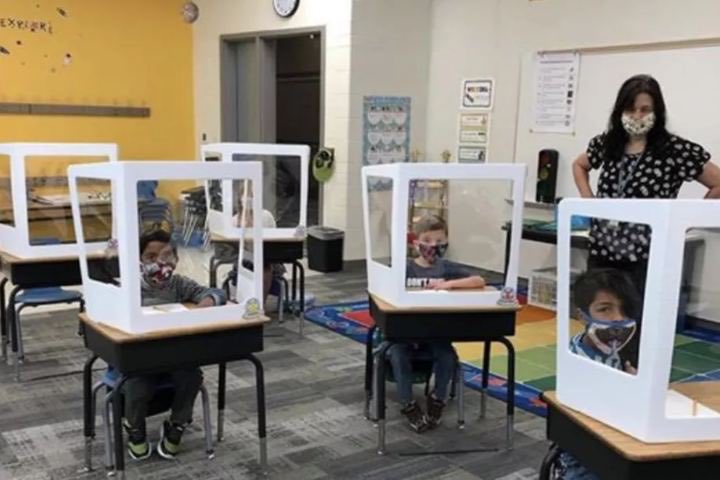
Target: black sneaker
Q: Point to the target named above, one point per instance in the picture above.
(434, 411)
(138, 446)
(170, 436)
(415, 416)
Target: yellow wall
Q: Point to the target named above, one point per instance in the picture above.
(134, 52)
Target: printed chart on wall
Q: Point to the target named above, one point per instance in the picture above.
(474, 132)
(386, 131)
(556, 80)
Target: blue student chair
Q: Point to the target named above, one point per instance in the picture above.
(151, 209)
(161, 402)
(36, 297)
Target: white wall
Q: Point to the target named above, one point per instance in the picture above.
(489, 37)
(224, 17)
(390, 56)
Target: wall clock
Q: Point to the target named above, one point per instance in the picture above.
(286, 8)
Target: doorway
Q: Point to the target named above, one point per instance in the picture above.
(271, 92)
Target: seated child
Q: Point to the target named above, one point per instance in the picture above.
(609, 304)
(429, 270)
(158, 256)
(269, 270)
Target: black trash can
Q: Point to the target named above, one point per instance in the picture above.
(325, 249)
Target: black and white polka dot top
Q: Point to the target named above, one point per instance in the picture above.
(651, 174)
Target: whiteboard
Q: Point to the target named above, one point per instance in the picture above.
(690, 81)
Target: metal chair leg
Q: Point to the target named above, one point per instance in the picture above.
(21, 346)
(281, 302)
(107, 426)
(206, 422)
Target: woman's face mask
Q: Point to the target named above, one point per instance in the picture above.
(609, 336)
(431, 252)
(638, 127)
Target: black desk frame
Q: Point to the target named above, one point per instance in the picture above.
(453, 326)
(144, 357)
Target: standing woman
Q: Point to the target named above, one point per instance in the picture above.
(638, 158)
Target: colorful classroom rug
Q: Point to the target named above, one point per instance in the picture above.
(696, 358)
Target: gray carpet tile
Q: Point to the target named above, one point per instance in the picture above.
(315, 401)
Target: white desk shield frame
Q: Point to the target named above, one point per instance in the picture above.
(389, 282)
(221, 221)
(16, 239)
(635, 404)
(120, 306)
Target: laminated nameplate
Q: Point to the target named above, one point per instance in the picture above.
(252, 309)
(507, 297)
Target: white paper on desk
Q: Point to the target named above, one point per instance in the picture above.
(164, 308)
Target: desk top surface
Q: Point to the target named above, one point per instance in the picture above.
(215, 238)
(119, 336)
(387, 307)
(8, 258)
(706, 392)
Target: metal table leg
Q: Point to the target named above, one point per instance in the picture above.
(379, 394)
(260, 388)
(118, 442)
(222, 370)
(3, 320)
(485, 378)
(510, 390)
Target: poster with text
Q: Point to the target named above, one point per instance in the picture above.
(474, 128)
(556, 81)
(478, 93)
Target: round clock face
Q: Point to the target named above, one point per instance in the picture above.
(285, 8)
(190, 12)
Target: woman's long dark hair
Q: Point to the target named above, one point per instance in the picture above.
(616, 137)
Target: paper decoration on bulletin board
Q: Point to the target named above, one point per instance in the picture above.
(556, 81)
(478, 93)
(386, 131)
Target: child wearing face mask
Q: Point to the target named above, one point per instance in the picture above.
(609, 304)
(429, 270)
(159, 285)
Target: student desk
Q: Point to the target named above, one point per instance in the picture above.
(26, 273)
(611, 454)
(459, 324)
(139, 354)
(275, 250)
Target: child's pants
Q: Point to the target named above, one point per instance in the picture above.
(443, 356)
(139, 391)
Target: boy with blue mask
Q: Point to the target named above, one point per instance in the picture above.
(609, 304)
(159, 285)
(429, 270)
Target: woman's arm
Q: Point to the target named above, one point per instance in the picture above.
(581, 173)
(710, 178)
(475, 281)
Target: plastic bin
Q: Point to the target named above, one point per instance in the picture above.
(325, 249)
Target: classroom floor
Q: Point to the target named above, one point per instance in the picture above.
(315, 400)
